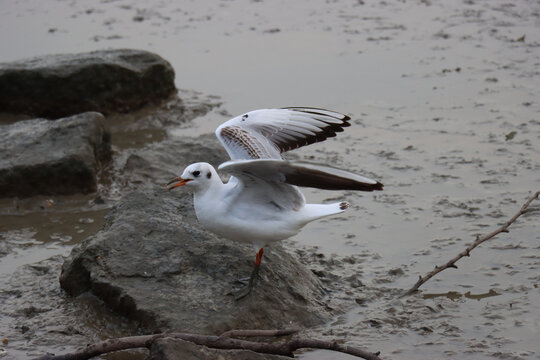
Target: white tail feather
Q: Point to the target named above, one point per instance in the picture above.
(316, 211)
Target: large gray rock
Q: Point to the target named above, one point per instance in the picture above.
(106, 81)
(52, 157)
(153, 263)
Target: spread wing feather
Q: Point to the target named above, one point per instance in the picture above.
(266, 134)
(299, 174)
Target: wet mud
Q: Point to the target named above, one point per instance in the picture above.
(444, 101)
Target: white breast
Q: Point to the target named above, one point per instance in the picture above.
(240, 221)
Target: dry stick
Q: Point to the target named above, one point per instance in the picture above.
(254, 333)
(467, 251)
(106, 346)
(225, 341)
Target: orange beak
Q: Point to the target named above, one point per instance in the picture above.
(174, 183)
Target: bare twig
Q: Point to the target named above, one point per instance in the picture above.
(467, 251)
(106, 346)
(254, 333)
(225, 341)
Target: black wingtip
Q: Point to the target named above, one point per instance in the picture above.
(321, 111)
(366, 187)
(326, 132)
(308, 177)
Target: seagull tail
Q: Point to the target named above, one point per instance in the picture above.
(317, 211)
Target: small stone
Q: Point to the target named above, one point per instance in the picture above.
(86, 221)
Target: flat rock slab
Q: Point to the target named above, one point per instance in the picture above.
(46, 157)
(153, 263)
(53, 86)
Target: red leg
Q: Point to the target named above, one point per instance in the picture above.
(258, 257)
(243, 293)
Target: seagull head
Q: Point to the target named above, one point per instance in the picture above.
(197, 176)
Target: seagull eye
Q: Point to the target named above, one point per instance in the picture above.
(196, 173)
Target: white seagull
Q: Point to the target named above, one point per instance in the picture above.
(261, 203)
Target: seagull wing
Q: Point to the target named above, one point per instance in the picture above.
(261, 187)
(299, 174)
(265, 134)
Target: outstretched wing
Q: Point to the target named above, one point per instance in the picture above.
(265, 134)
(299, 174)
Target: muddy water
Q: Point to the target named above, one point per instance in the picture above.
(444, 101)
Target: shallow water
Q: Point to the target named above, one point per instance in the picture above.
(444, 101)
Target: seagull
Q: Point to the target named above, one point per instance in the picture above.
(261, 202)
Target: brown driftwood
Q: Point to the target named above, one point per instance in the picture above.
(227, 340)
(467, 251)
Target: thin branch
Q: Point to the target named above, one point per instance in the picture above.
(330, 345)
(106, 346)
(467, 251)
(225, 341)
(254, 333)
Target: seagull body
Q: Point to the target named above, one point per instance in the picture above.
(251, 211)
(261, 202)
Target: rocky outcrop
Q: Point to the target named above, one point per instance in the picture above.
(152, 262)
(52, 157)
(107, 81)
